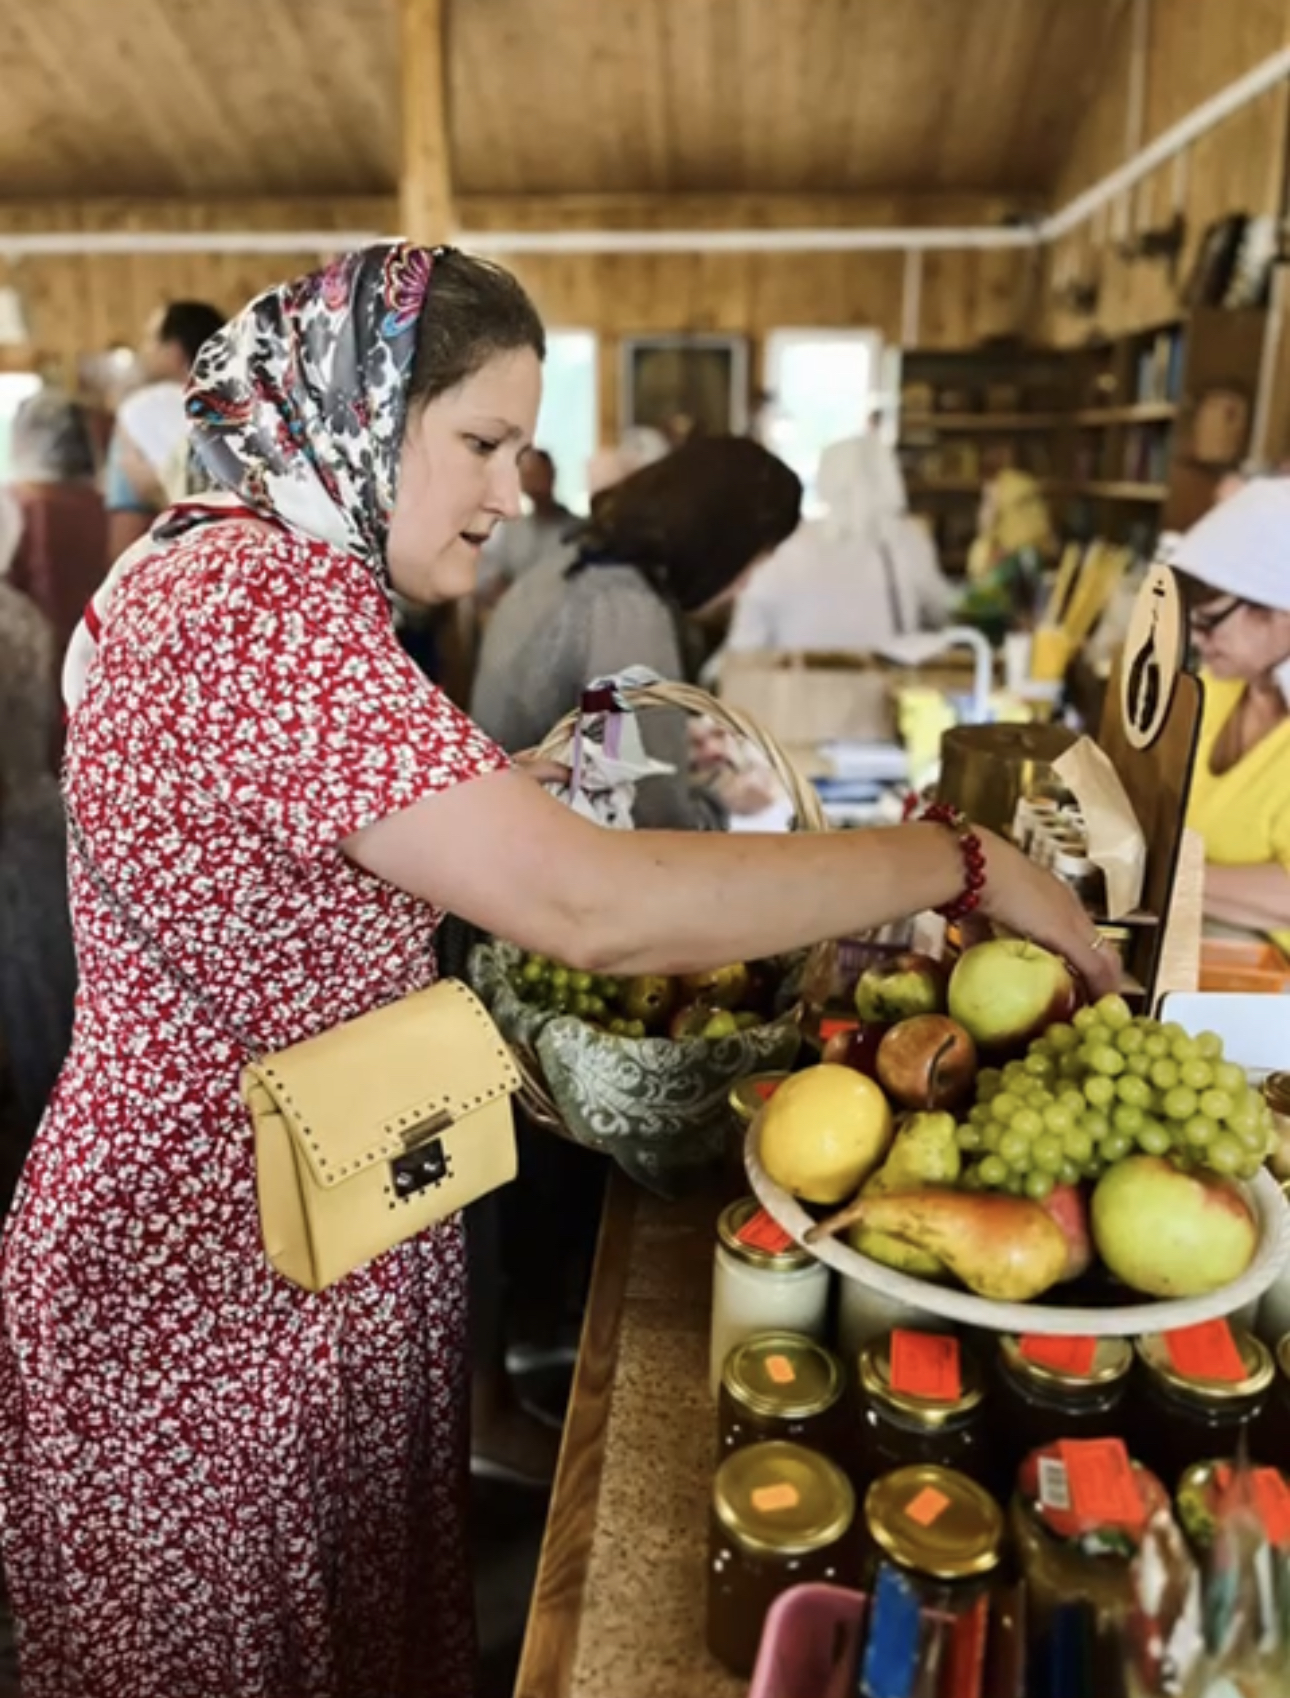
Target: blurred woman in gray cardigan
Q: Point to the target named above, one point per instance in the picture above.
(671, 543)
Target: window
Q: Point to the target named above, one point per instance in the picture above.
(568, 422)
(823, 384)
(15, 387)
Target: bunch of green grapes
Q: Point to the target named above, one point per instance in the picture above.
(564, 990)
(1108, 1084)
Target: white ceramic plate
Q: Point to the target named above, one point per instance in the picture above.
(953, 1304)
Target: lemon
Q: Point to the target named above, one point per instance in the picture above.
(824, 1132)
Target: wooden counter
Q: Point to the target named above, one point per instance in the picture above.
(618, 1611)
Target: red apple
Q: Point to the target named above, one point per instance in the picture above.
(928, 1062)
(1066, 1204)
(857, 1047)
(1007, 992)
(901, 987)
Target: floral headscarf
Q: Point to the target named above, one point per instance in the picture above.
(297, 406)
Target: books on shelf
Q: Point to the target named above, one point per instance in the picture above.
(1159, 367)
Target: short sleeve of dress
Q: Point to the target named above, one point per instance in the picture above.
(298, 708)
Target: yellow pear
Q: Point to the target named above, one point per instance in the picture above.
(824, 1132)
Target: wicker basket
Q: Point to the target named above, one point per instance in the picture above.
(534, 1094)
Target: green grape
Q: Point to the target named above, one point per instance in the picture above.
(1180, 1103)
(580, 983)
(1040, 1066)
(1130, 1041)
(1048, 1153)
(1099, 1091)
(988, 1081)
(993, 1170)
(1070, 1066)
(1107, 1060)
(1196, 1075)
(1200, 1132)
(1004, 1106)
(1114, 1147)
(1015, 1185)
(1225, 1155)
(1083, 1018)
(1068, 1173)
(579, 1004)
(559, 977)
(1156, 1046)
(1134, 1091)
(1039, 1185)
(1062, 1039)
(1229, 1077)
(990, 1135)
(1115, 1011)
(1245, 1116)
(1058, 1119)
(597, 1007)
(1209, 1046)
(1139, 1065)
(1164, 1074)
(1173, 1031)
(1249, 1169)
(1127, 1119)
(1028, 1123)
(1094, 1124)
(558, 998)
(1216, 1104)
(971, 1180)
(1250, 1137)
(1072, 1099)
(1077, 1145)
(979, 1114)
(968, 1137)
(1183, 1050)
(532, 972)
(1154, 1139)
(1014, 1148)
(1014, 1072)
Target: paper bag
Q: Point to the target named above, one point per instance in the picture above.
(1115, 840)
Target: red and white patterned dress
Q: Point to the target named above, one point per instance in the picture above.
(212, 1483)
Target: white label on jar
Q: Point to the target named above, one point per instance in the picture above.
(1054, 1483)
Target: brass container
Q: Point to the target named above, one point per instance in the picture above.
(986, 769)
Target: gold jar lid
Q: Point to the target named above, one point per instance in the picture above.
(734, 1218)
(1257, 1358)
(935, 1521)
(1112, 1359)
(749, 1096)
(783, 1375)
(875, 1378)
(781, 1499)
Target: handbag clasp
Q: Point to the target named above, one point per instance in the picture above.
(424, 1161)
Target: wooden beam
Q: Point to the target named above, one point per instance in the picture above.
(425, 187)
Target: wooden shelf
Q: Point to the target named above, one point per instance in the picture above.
(1141, 412)
(980, 421)
(944, 486)
(1122, 491)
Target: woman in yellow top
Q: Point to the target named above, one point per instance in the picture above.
(1238, 558)
(1015, 541)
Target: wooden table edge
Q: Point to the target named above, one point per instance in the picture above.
(551, 1637)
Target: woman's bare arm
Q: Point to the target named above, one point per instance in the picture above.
(1257, 896)
(502, 854)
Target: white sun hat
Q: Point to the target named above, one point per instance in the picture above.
(1242, 546)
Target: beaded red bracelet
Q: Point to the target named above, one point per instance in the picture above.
(973, 859)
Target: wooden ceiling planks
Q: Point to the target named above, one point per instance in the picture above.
(301, 97)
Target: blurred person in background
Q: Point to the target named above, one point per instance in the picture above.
(147, 465)
(519, 544)
(1237, 562)
(61, 555)
(847, 582)
(1015, 542)
(37, 965)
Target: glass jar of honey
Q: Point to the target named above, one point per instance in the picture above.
(1179, 1419)
(898, 1430)
(746, 1100)
(761, 1282)
(781, 1515)
(1041, 1398)
(780, 1385)
(935, 1523)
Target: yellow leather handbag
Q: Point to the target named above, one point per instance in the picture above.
(371, 1131)
(377, 1128)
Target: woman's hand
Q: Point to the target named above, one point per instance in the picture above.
(1032, 903)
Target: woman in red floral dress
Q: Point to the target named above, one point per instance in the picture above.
(212, 1483)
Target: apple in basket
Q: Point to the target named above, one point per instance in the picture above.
(898, 988)
(1009, 990)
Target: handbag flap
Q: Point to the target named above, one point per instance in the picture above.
(370, 1089)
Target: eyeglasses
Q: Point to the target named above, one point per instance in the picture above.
(1205, 624)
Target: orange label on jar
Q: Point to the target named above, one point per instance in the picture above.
(926, 1364)
(1206, 1352)
(770, 1499)
(832, 1028)
(928, 1506)
(1062, 1355)
(1102, 1487)
(764, 1233)
(766, 1088)
(781, 1370)
(1271, 1499)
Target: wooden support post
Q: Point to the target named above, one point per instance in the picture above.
(425, 188)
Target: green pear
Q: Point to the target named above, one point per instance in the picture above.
(925, 1152)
